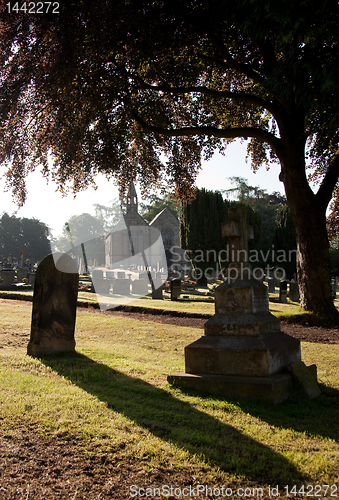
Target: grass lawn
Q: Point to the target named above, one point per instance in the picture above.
(113, 396)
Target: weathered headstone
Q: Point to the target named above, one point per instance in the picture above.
(334, 284)
(157, 287)
(122, 286)
(243, 352)
(283, 291)
(140, 287)
(21, 274)
(7, 276)
(294, 295)
(304, 376)
(54, 306)
(271, 285)
(175, 288)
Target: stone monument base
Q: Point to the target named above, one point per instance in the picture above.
(275, 389)
(50, 345)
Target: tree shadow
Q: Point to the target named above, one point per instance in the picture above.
(176, 421)
(318, 417)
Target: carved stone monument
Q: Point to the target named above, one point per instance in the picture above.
(243, 352)
(54, 306)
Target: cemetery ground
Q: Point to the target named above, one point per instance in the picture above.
(104, 423)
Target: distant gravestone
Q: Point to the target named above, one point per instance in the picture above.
(54, 306)
(175, 288)
(271, 285)
(122, 286)
(283, 291)
(7, 276)
(334, 284)
(140, 287)
(294, 291)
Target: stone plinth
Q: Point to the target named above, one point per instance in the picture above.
(243, 353)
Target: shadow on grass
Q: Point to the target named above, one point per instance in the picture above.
(176, 421)
(317, 417)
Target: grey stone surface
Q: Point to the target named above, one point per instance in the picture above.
(273, 389)
(54, 306)
(122, 286)
(271, 285)
(283, 292)
(140, 287)
(306, 378)
(7, 276)
(294, 295)
(175, 287)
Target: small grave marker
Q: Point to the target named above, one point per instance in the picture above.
(283, 292)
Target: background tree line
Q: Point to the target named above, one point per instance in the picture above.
(23, 234)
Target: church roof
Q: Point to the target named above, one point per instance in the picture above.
(164, 213)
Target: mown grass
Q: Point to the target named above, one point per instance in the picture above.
(113, 395)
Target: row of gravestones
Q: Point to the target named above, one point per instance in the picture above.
(125, 286)
(282, 285)
(8, 276)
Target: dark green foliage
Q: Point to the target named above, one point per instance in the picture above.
(200, 227)
(17, 234)
(285, 242)
(266, 206)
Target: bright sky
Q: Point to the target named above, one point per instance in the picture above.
(45, 204)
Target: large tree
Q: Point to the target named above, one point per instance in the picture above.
(111, 86)
(18, 235)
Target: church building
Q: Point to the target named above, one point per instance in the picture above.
(133, 241)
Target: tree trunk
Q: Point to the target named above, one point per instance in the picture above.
(313, 264)
(309, 214)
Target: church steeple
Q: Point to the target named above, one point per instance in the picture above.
(132, 199)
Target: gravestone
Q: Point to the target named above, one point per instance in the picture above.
(54, 306)
(157, 287)
(294, 295)
(283, 292)
(243, 353)
(334, 284)
(122, 286)
(140, 287)
(97, 274)
(271, 285)
(21, 274)
(175, 288)
(7, 276)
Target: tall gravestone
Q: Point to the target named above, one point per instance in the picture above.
(243, 352)
(54, 306)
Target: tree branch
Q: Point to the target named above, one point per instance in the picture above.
(217, 94)
(235, 65)
(223, 133)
